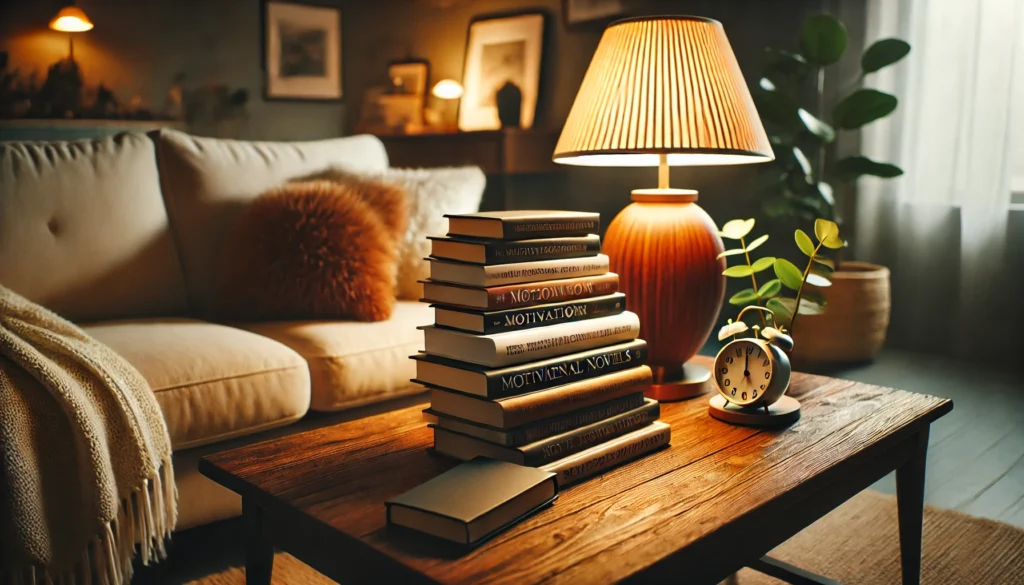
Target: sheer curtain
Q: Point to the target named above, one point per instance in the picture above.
(946, 228)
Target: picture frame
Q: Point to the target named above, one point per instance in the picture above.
(578, 13)
(414, 74)
(500, 50)
(301, 52)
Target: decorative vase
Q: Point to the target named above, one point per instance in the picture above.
(854, 324)
(510, 105)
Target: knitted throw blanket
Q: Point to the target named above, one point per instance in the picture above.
(85, 458)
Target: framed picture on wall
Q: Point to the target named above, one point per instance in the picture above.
(596, 12)
(301, 52)
(503, 58)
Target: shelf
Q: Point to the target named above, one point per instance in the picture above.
(497, 152)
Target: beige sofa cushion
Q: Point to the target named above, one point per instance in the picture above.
(207, 181)
(212, 382)
(353, 363)
(83, 229)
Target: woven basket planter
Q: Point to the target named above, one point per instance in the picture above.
(856, 317)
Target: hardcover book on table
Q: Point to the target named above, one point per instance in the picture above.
(464, 446)
(507, 251)
(487, 322)
(523, 224)
(517, 347)
(520, 295)
(604, 456)
(519, 379)
(473, 501)
(480, 275)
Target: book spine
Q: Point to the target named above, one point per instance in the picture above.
(529, 378)
(552, 291)
(582, 438)
(527, 408)
(544, 342)
(499, 274)
(598, 459)
(554, 426)
(520, 229)
(527, 317)
(506, 252)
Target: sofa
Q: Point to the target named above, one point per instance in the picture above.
(123, 235)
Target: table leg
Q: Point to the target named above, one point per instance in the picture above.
(910, 502)
(259, 551)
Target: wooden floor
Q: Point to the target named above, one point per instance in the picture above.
(976, 453)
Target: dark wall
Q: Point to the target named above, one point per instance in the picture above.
(139, 46)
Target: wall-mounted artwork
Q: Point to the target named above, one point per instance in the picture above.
(302, 52)
(502, 70)
(578, 12)
(409, 76)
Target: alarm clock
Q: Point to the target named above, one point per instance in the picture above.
(752, 375)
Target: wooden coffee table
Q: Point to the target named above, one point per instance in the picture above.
(718, 499)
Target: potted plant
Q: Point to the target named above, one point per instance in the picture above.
(798, 187)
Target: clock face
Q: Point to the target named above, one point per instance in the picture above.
(743, 371)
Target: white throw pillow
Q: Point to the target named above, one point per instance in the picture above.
(432, 193)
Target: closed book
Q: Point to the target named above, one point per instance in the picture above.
(480, 275)
(487, 322)
(524, 224)
(543, 428)
(517, 347)
(599, 458)
(473, 501)
(520, 295)
(465, 447)
(514, 251)
(515, 411)
(530, 377)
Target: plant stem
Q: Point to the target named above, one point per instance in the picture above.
(753, 280)
(800, 291)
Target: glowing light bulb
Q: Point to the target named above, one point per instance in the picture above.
(447, 89)
(71, 19)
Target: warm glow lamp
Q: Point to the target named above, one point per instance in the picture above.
(447, 89)
(71, 19)
(666, 91)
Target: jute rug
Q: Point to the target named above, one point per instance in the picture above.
(857, 544)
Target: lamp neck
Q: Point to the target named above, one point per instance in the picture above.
(662, 171)
(664, 195)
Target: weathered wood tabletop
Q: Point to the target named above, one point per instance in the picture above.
(719, 498)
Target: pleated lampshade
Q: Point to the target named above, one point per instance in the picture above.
(663, 85)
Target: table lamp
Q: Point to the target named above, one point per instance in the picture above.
(665, 91)
(71, 19)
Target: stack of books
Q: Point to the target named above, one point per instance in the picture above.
(532, 358)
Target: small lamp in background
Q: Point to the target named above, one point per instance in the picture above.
(448, 91)
(665, 91)
(71, 19)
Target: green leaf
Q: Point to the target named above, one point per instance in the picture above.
(862, 107)
(803, 241)
(784, 63)
(824, 228)
(805, 164)
(732, 252)
(807, 307)
(738, 271)
(816, 126)
(822, 39)
(814, 279)
(770, 289)
(788, 273)
(737, 228)
(814, 296)
(883, 53)
(777, 107)
(834, 242)
(762, 264)
(852, 167)
(757, 243)
(827, 266)
(783, 314)
(744, 297)
(825, 190)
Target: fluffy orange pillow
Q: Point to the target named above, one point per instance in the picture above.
(315, 250)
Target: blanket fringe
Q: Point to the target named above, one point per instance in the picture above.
(144, 523)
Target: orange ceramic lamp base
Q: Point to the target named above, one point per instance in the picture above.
(665, 250)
